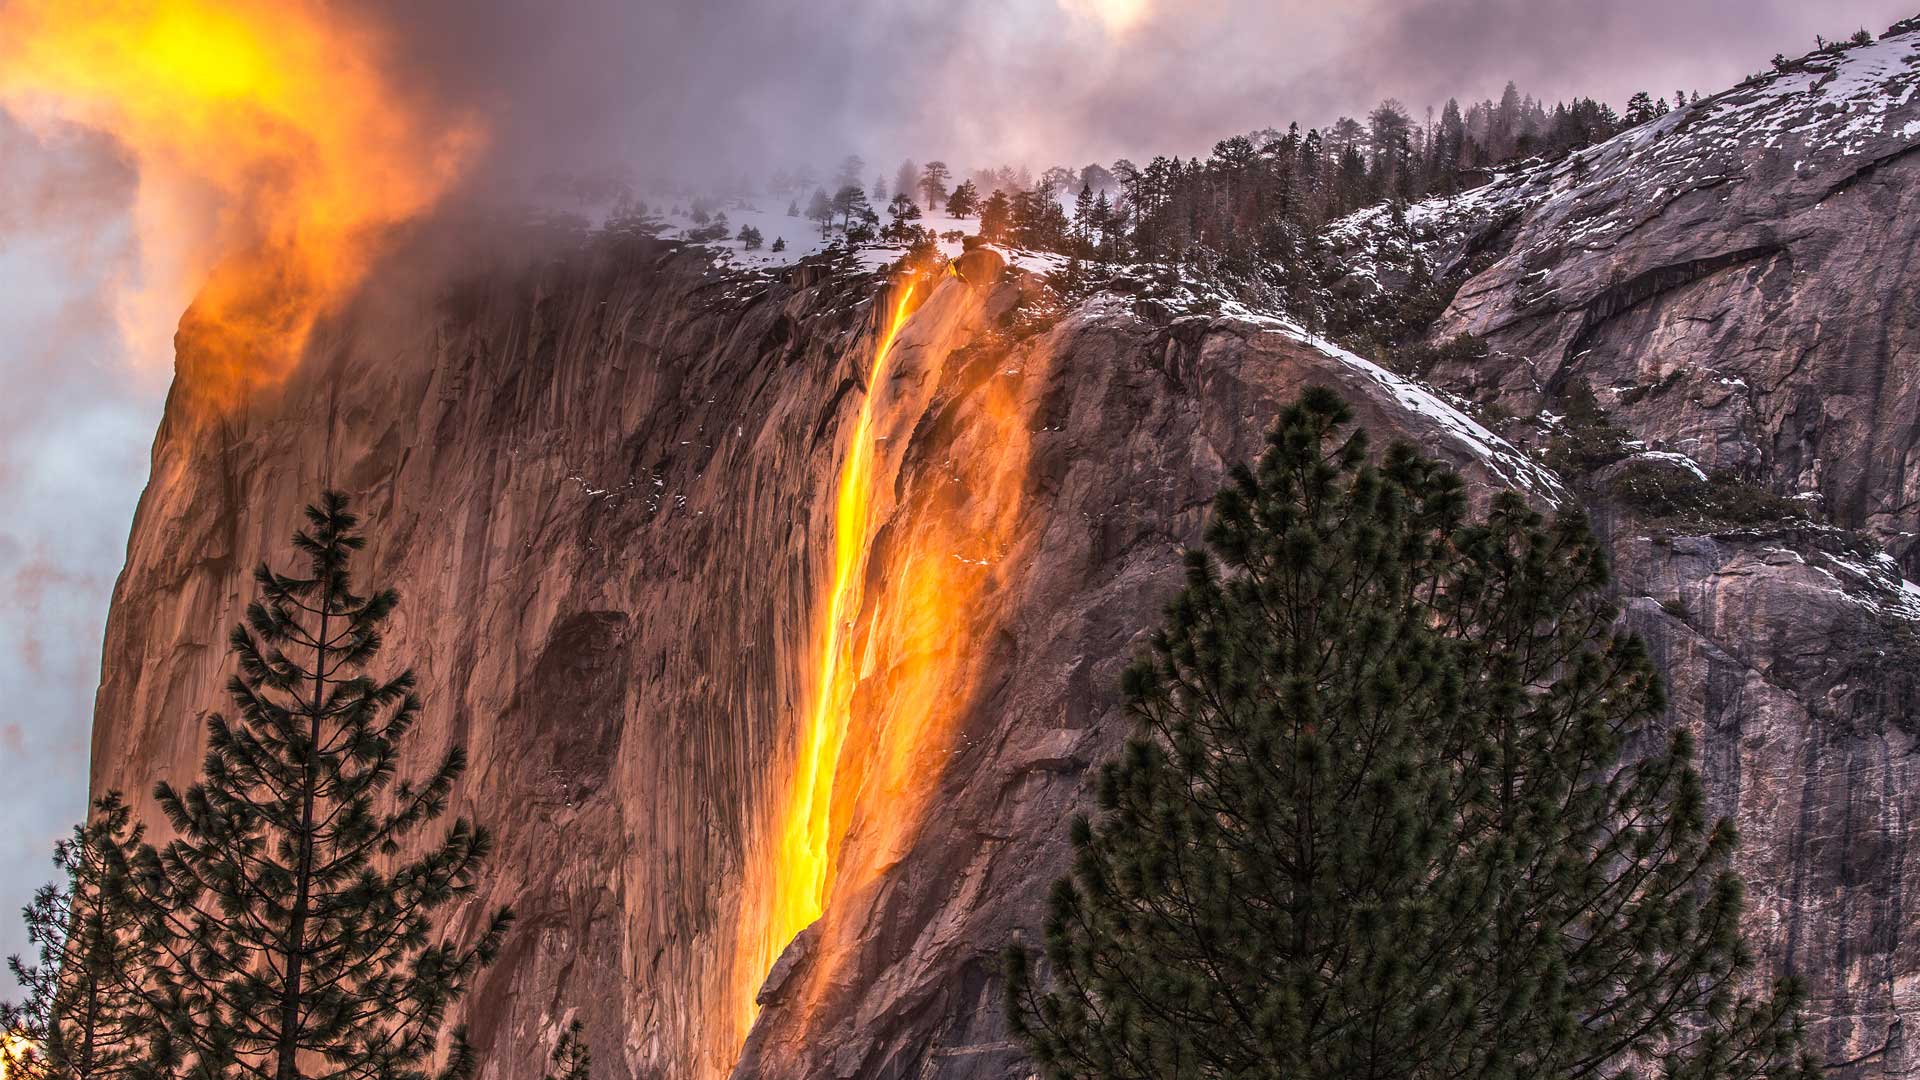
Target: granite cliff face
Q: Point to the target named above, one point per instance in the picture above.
(1732, 287)
(605, 489)
(608, 487)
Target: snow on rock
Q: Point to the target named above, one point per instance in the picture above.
(1509, 463)
(1873, 582)
(803, 237)
(1672, 458)
(1811, 118)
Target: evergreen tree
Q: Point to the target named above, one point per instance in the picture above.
(571, 1060)
(903, 212)
(857, 216)
(1039, 222)
(851, 169)
(996, 217)
(1083, 222)
(1103, 229)
(906, 178)
(750, 238)
(1448, 147)
(779, 244)
(1640, 109)
(1377, 823)
(964, 201)
(1504, 130)
(933, 183)
(820, 209)
(84, 1016)
(295, 940)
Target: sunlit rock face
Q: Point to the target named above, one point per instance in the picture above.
(606, 487)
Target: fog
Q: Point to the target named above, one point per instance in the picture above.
(705, 89)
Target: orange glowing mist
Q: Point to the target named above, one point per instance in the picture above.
(272, 149)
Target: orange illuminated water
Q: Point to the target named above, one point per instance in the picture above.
(804, 849)
(898, 668)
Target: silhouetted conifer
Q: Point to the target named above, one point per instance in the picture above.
(933, 183)
(571, 1060)
(84, 1015)
(964, 200)
(820, 209)
(297, 939)
(1377, 823)
(996, 218)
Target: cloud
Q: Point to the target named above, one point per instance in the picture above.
(723, 87)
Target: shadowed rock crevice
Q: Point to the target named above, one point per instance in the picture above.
(1646, 285)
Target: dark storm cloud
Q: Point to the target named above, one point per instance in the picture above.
(690, 88)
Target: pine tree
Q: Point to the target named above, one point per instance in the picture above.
(964, 201)
(571, 1059)
(933, 183)
(903, 212)
(85, 1016)
(1083, 222)
(996, 217)
(820, 209)
(1377, 823)
(906, 178)
(779, 244)
(296, 941)
(1640, 109)
(857, 216)
(851, 169)
(750, 238)
(1103, 228)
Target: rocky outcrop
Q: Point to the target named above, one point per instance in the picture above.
(1734, 284)
(604, 485)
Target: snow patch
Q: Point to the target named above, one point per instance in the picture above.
(1670, 457)
(1502, 458)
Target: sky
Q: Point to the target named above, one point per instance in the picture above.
(705, 88)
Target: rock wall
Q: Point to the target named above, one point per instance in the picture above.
(1735, 284)
(603, 486)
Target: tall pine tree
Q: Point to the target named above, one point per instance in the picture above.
(85, 1015)
(1378, 824)
(297, 939)
(571, 1059)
